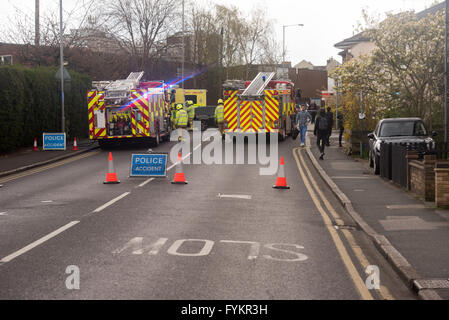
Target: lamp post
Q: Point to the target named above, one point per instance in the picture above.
(283, 40)
(61, 52)
(183, 53)
(446, 78)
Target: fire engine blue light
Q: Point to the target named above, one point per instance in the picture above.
(162, 88)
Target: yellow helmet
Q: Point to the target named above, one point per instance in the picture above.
(190, 102)
(179, 107)
(220, 101)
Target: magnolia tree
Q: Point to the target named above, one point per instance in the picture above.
(403, 76)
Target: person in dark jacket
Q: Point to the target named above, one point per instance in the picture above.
(330, 122)
(341, 126)
(321, 131)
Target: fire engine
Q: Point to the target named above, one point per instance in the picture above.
(128, 110)
(262, 105)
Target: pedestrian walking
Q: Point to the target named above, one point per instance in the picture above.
(330, 122)
(341, 125)
(321, 131)
(303, 118)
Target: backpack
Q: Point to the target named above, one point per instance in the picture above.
(323, 125)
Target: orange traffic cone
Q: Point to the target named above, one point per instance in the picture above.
(111, 177)
(75, 145)
(179, 175)
(35, 148)
(281, 181)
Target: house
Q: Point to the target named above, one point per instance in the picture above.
(360, 44)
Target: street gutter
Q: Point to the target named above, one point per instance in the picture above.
(43, 163)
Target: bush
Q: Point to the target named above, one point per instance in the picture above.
(30, 104)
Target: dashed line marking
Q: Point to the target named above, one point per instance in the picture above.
(110, 203)
(37, 242)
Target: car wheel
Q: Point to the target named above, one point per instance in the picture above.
(376, 165)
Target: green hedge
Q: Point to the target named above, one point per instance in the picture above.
(30, 104)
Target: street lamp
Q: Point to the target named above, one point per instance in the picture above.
(61, 70)
(283, 38)
(446, 78)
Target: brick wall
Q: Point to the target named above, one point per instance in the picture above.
(421, 177)
(442, 184)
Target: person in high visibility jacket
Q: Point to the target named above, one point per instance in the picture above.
(181, 119)
(219, 115)
(190, 112)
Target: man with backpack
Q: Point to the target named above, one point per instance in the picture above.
(321, 131)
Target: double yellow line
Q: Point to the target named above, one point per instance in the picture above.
(47, 167)
(317, 197)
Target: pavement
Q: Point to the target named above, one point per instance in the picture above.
(416, 232)
(26, 158)
(226, 235)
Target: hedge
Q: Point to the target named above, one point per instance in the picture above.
(30, 104)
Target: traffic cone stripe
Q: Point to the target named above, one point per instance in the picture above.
(75, 145)
(111, 176)
(180, 177)
(281, 181)
(35, 145)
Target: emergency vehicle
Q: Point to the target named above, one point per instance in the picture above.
(197, 96)
(128, 110)
(262, 105)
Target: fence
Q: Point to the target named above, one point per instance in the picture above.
(393, 160)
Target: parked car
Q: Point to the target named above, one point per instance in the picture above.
(398, 130)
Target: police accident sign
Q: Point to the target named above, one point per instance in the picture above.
(54, 141)
(148, 165)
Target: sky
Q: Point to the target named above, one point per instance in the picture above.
(326, 22)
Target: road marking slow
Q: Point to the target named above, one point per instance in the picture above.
(110, 203)
(352, 270)
(37, 242)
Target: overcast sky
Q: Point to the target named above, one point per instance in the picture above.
(326, 22)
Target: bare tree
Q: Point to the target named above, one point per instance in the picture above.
(141, 24)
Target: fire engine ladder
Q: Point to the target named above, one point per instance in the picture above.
(135, 76)
(256, 89)
(259, 84)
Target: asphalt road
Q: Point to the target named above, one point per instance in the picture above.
(226, 235)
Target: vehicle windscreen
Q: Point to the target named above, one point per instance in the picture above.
(403, 129)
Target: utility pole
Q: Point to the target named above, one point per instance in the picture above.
(361, 123)
(61, 49)
(446, 78)
(37, 37)
(283, 41)
(183, 54)
(336, 105)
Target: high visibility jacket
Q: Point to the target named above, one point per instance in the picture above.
(182, 118)
(219, 113)
(191, 111)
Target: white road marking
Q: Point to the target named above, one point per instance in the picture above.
(111, 202)
(253, 252)
(235, 196)
(47, 201)
(207, 248)
(37, 242)
(3, 213)
(146, 182)
(406, 207)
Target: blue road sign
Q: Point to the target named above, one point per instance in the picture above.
(54, 141)
(148, 165)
